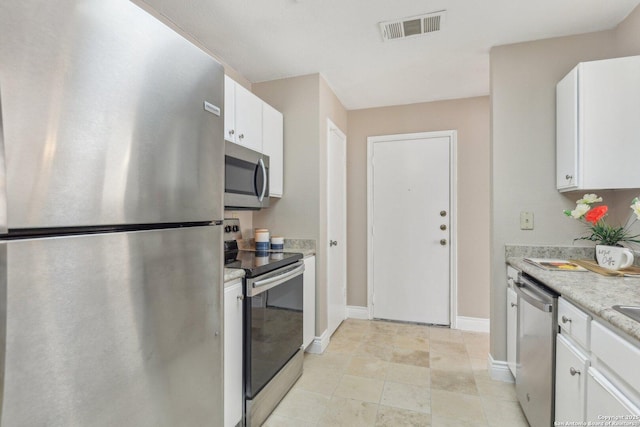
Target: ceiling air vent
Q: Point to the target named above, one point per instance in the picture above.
(413, 26)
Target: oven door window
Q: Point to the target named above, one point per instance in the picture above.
(275, 317)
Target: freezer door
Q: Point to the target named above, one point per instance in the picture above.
(120, 329)
(109, 117)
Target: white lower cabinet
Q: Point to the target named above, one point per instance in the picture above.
(233, 399)
(597, 378)
(512, 329)
(571, 368)
(605, 402)
(309, 301)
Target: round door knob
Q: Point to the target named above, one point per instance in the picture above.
(443, 242)
(333, 243)
(513, 304)
(565, 319)
(568, 177)
(443, 213)
(573, 371)
(240, 297)
(443, 227)
(231, 131)
(241, 136)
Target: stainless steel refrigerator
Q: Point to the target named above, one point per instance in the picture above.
(111, 138)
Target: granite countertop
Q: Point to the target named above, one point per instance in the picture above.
(231, 274)
(593, 292)
(306, 247)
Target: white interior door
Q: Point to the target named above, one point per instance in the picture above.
(411, 227)
(336, 227)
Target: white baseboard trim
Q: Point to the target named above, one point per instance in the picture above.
(319, 344)
(357, 312)
(499, 370)
(472, 324)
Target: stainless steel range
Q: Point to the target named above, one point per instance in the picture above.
(272, 323)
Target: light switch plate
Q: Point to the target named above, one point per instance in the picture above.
(526, 220)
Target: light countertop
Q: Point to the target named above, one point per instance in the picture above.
(593, 292)
(231, 274)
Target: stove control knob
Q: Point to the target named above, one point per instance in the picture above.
(236, 228)
(227, 229)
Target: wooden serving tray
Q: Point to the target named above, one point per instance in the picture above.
(593, 266)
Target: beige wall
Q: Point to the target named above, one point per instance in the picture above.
(470, 117)
(306, 102)
(523, 80)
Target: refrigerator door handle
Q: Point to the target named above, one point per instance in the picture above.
(3, 178)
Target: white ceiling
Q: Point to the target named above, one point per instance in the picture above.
(271, 39)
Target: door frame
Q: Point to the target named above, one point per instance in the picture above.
(332, 127)
(453, 192)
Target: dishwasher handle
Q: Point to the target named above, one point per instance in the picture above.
(528, 291)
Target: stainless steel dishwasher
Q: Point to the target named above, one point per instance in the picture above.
(536, 347)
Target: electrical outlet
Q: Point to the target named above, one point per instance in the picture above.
(526, 220)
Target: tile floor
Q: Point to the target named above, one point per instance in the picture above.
(378, 373)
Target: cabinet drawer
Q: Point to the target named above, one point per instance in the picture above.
(574, 322)
(617, 353)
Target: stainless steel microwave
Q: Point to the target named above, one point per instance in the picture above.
(246, 178)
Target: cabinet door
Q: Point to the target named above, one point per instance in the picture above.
(309, 304)
(604, 399)
(567, 132)
(571, 369)
(609, 127)
(229, 109)
(248, 119)
(512, 331)
(272, 146)
(233, 398)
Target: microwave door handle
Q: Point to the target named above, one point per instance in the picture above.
(264, 179)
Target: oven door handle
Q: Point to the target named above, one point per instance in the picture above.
(260, 286)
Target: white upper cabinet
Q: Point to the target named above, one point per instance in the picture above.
(272, 137)
(251, 122)
(229, 109)
(598, 126)
(243, 116)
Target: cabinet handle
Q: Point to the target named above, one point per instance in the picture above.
(513, 304)
(573, 371)
(443, 242)
(241, 136)
(231, 131)
(568, 177)
(240, 297)
(565, 319)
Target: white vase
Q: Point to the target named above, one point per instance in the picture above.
(613, 257)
